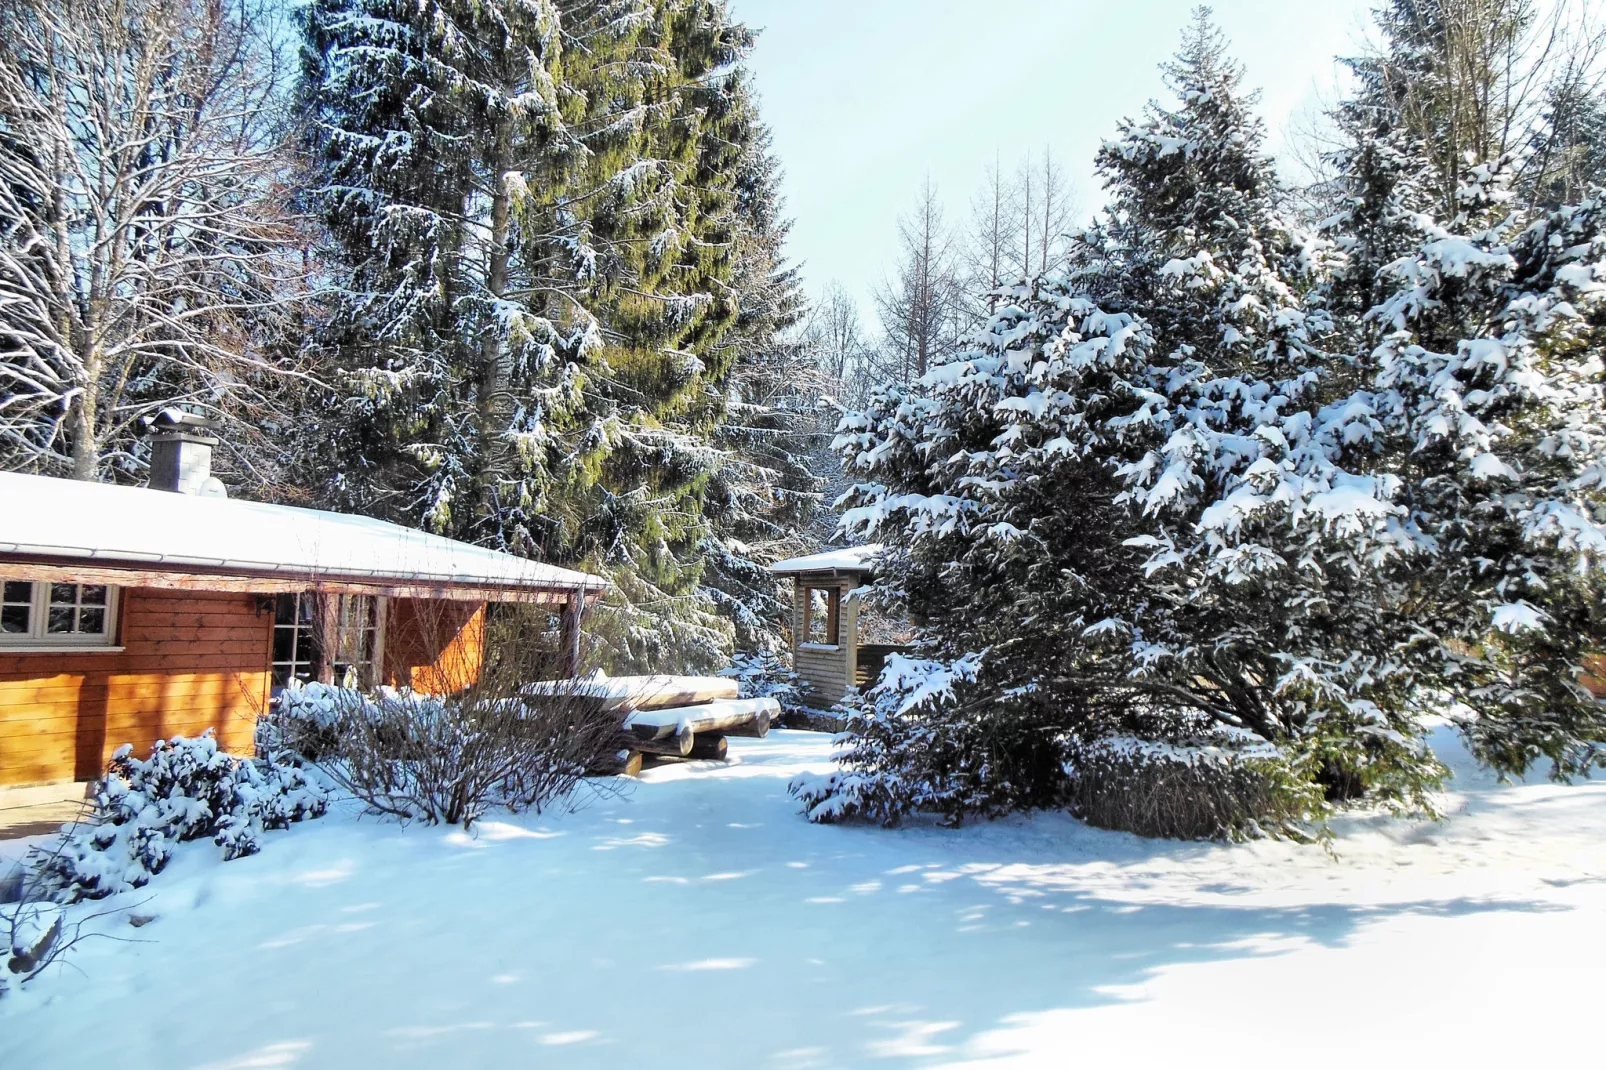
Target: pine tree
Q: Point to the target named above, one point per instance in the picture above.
(1081, 503)
(536, 209)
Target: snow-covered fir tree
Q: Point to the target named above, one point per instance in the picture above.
(1228, 483)
(1049, 487)
(536, 211)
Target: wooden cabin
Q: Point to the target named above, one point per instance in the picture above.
(828, 651)
(129, 614)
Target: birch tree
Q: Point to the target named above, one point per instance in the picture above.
(145, 255)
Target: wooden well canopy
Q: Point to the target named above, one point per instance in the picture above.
(74, 531)
(826, 652)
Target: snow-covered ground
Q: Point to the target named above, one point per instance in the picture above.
(700, 922)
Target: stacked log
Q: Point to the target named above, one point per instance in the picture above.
(672, 718)
(710, 747)
(673, 739)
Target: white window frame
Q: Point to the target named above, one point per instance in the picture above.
(39, 640)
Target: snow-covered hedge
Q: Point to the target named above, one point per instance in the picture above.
(185, 790)
(910, 748)
(1212, 790)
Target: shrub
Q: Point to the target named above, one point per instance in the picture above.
(489, 737)
(446, 759)
(185, 790)
(762, 674)
(910, 746)
(1212, 790)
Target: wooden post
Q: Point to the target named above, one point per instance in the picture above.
(376, 671)
(327, 635)
(571, 633)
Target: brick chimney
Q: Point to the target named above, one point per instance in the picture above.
(181, 453)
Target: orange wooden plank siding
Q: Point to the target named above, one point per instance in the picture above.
(1594, 677)
(192, 660)
(435, 647)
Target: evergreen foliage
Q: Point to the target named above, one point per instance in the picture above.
(185, 790)
(544, 215)
(763, 500)
(1232, 482)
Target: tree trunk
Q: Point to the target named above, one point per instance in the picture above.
(81, 419)
(491, 417)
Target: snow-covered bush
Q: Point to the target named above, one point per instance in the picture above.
(185, 790)
(491, 741)
(303, 725)
(1214, 791)
(910, 748)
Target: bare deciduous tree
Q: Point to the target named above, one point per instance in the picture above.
(1478, 80)
(145, 249)
(1017, 228)
(919, 307)
(835, 336)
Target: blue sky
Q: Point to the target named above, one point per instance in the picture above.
(869, 97)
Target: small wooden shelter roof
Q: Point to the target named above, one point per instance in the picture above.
(848, 559)
(66, 529)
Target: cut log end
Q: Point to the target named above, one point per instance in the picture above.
(710, 745)
(756, 728)
(677, 743)
(624, 763)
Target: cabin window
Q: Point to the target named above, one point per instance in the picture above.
(356, 640)
(822, 615)
(297, 654)
(335, 639)
(57, 614)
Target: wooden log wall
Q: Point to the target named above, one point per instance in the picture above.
(191, 660)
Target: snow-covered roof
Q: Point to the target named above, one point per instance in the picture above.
(134, 527)
(849, 559)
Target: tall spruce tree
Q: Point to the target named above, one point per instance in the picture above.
(413, 113)
(1049, 490)
(535, 207)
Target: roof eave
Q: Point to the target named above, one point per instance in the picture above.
(174, 573)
